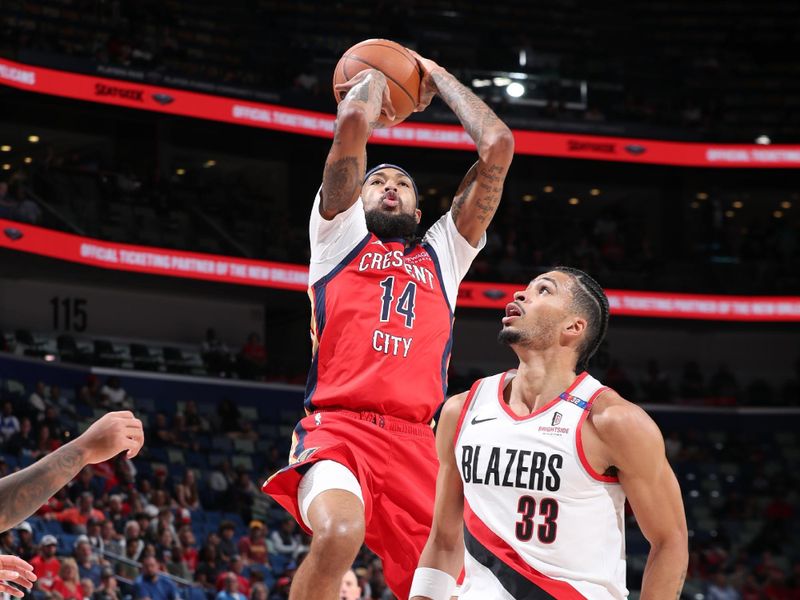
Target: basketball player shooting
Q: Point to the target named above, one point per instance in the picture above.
(363, 463)
(536, 463)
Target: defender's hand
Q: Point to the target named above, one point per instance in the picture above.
(17, 571)
(111, 434)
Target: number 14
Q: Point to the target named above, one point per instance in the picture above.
(405, 303)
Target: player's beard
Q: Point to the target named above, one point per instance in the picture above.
(539, 337)
(388, 225)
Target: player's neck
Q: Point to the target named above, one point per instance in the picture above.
(541, 377)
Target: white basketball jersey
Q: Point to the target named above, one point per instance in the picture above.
(539, 522)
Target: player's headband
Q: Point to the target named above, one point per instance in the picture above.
(396, 168)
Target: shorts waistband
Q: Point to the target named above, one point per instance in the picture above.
(386, 422)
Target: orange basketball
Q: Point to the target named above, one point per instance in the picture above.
(391, 59)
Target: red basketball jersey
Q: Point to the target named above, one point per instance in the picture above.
(381, 331)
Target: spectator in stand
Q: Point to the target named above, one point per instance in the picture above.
(112, 541)
(117, 512)
(253, 546)
(186, 492)
(88, 587)
(7, 544)
(9, 424)
(77, 517)
(25, 547)
(253, 358)
(62, 403)
(188, 547)
(227, 544)
(209, 566)
(86, 560)
(182, 437)
(194, 422)
(229, 416)
(23, 442)
(86, 481)
(89, 394)
(45, 443)
(241, 494)
(113, 395)
(134, 544)
(108, 588)
(68, 584)
(721, 589)
(36, 401)
(350, 589)
(286, 540)
(259, 591)
(160, 433)
(152, 585)
(52, 421)
(230, 589)
(235, 569)
(216, 354)
(94, 534)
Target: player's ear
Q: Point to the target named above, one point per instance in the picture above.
(417, 215)
(575, 326)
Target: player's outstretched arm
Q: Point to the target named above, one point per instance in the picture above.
(23, 492)
(480, 191)
(366, 96)
(636, 448)
(444, 550)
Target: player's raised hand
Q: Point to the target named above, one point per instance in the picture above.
(427, 87)
(342, 89)
(110, 435)
(17, 571)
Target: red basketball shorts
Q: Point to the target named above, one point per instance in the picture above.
(395, 463)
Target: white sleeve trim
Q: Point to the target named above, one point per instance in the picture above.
(455, 253)
(331, 240)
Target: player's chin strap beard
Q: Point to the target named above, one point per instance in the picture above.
(386, 225)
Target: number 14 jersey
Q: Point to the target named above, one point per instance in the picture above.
(382, 315)
(539, 522)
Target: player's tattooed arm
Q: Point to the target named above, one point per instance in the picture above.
(366, 96)
(23, 492)
(476, 200)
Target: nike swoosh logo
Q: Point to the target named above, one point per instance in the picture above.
(476, 420)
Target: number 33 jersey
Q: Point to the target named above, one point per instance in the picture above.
(382, 315)
(539, 522)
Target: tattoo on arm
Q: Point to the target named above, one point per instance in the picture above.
(463, 191)
(341, 181)
(476, 117)
(23, 492)
(369, 94)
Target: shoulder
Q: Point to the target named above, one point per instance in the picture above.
(451, 411)
(626, 429)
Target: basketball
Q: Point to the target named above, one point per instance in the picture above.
(391, 59)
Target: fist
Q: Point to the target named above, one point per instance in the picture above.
(111, 434)
(17, 571)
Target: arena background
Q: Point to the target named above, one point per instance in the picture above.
(160, 160)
